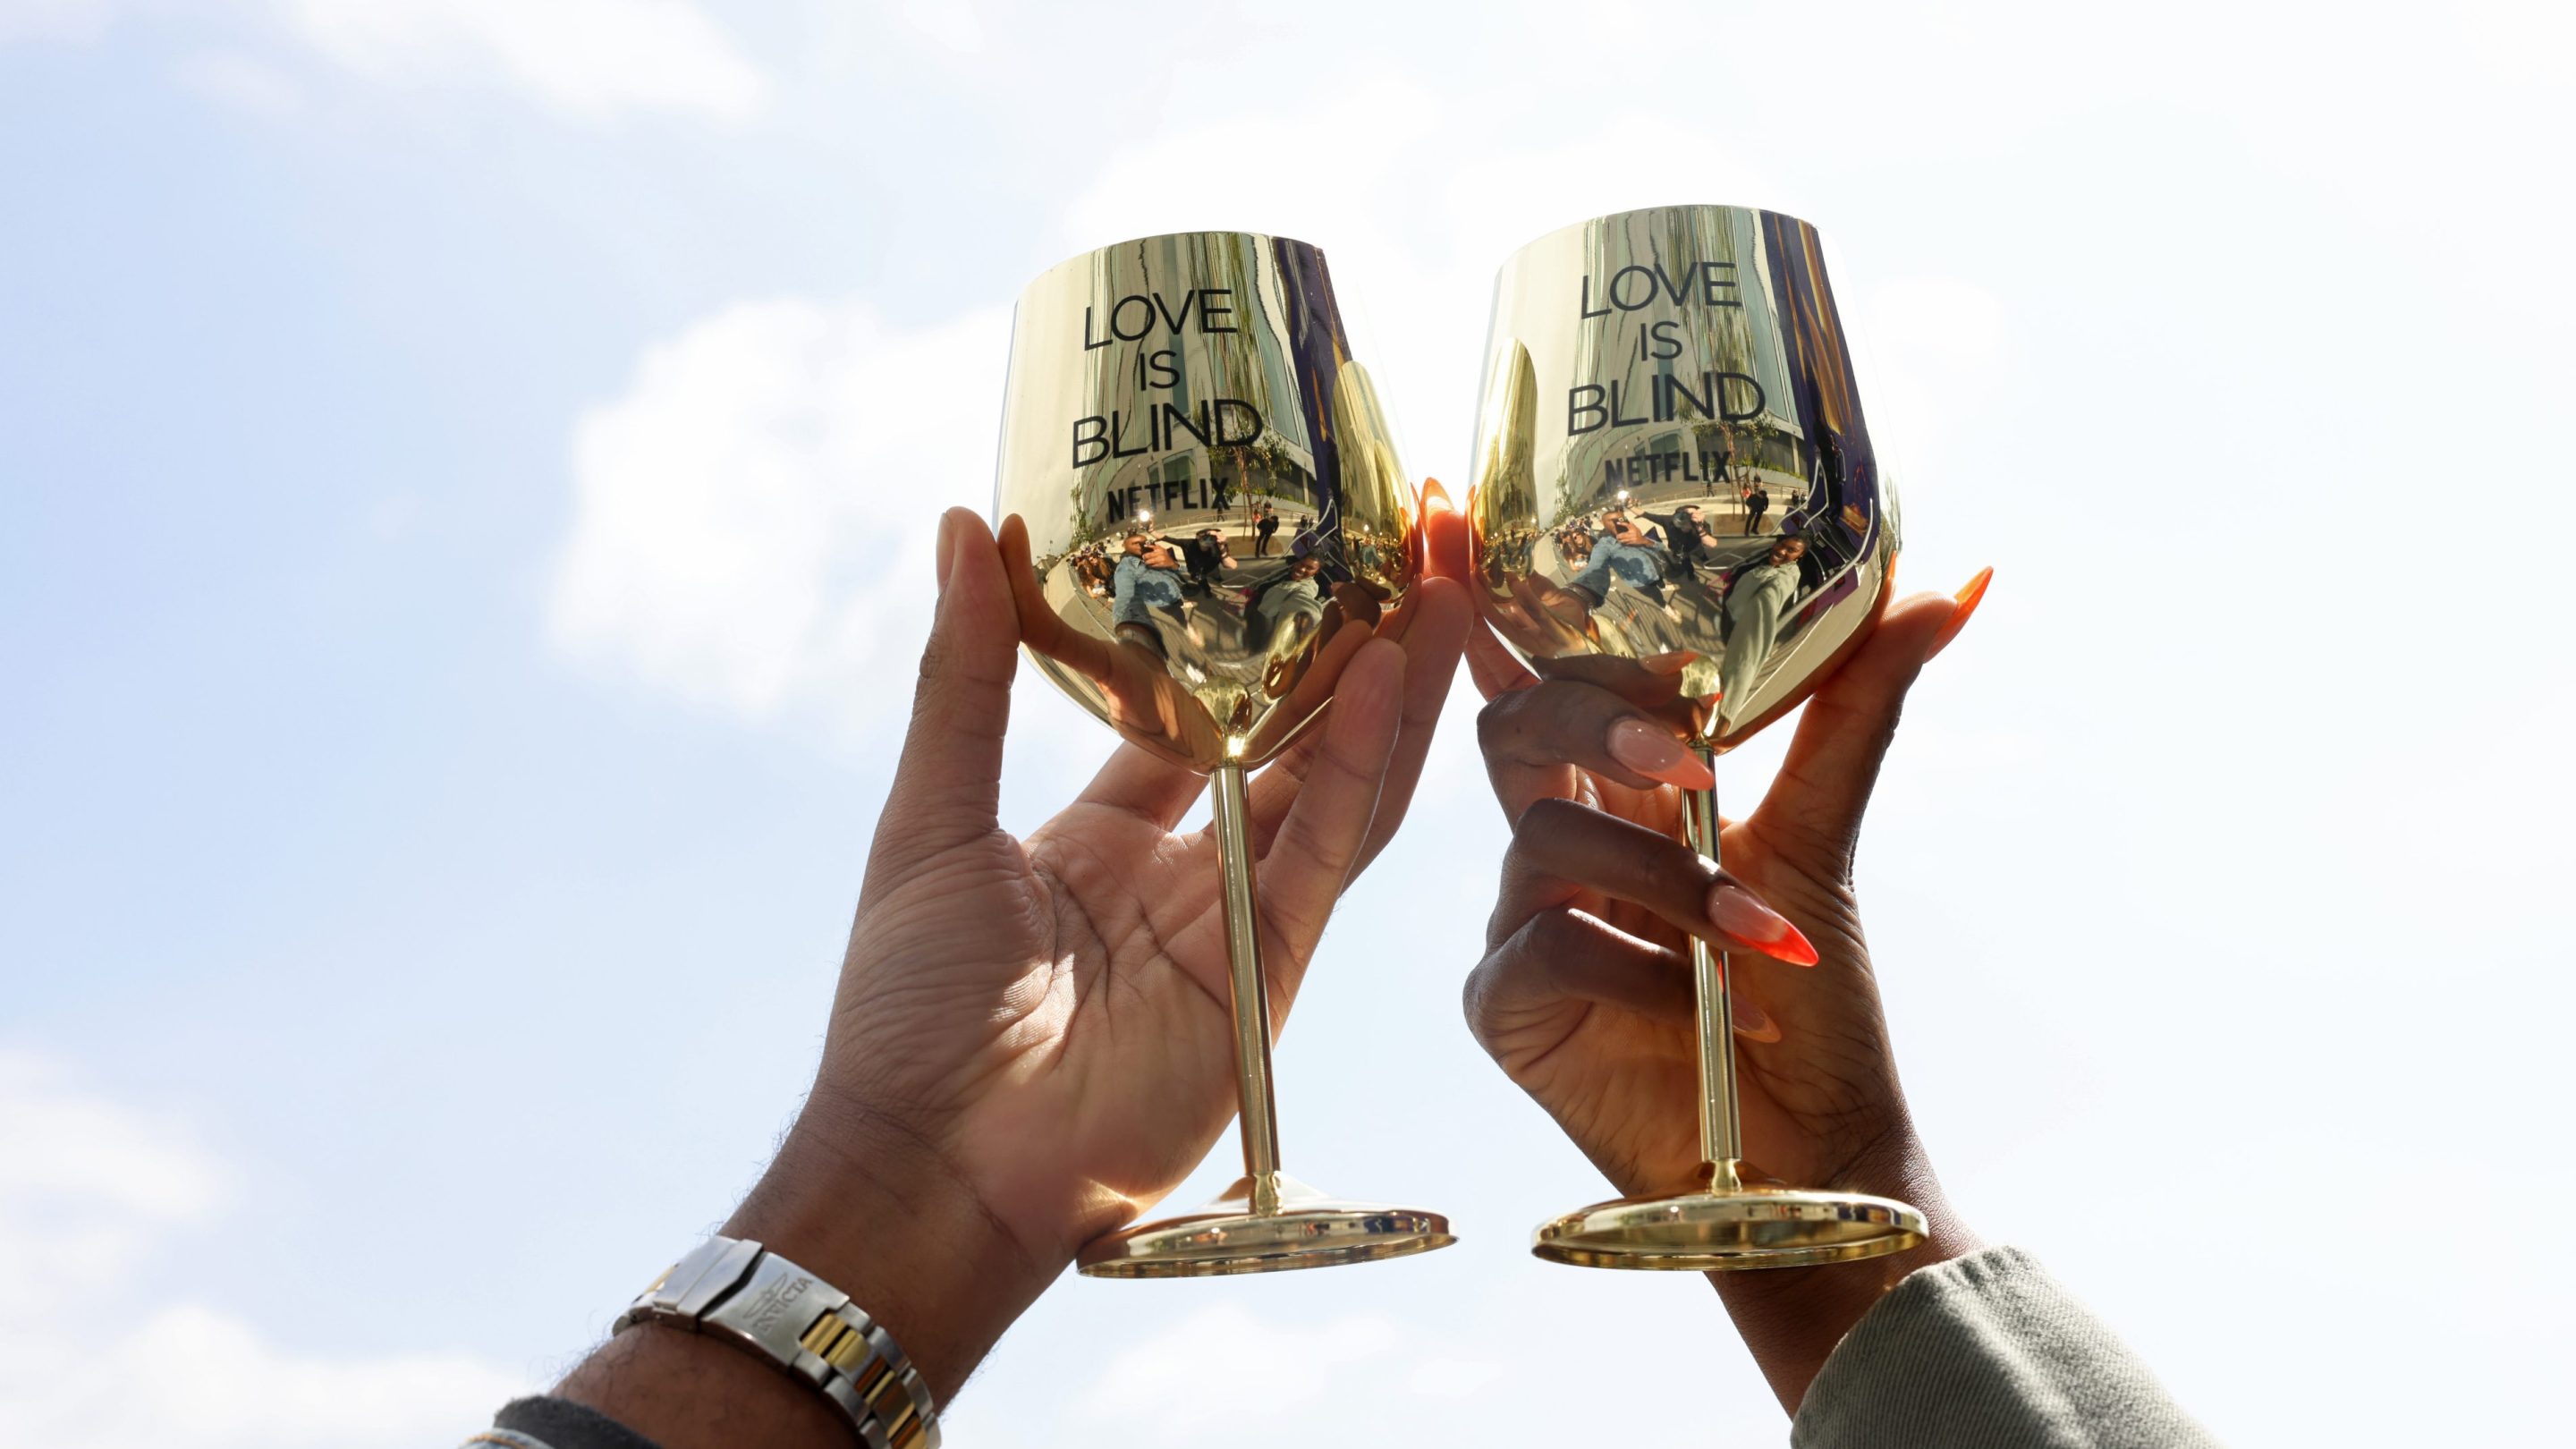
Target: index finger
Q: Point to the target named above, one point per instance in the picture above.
(1533, 738)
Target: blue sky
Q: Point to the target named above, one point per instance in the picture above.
(465, 468)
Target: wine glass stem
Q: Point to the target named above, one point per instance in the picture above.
(1720, 1137)
(1248, 989)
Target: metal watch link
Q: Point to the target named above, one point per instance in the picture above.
(738, 1290)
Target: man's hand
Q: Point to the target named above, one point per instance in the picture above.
(1031, 1040)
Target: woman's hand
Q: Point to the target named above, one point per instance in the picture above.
(1584, 996)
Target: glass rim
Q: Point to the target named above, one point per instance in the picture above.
(1558, 231)
(1089, 252)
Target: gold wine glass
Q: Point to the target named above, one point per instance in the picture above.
(1672, 465)
(1215, 523)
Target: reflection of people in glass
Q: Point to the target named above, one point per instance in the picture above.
(1622, 552)
(1091, 565)
(1293, 595)
(1206, 554)
(1795, 518)
(1687, 535)
(1305, 540)
(1574, 544)
(1148, 577)
(1756, 598)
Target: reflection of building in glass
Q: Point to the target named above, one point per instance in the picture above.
(1725, 389)
(1304, 486)
(1178, 434)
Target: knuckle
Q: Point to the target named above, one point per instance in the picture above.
(1548, 818)
(936, 657)
(1476, 998)
(1677, 871)
(1555, 932)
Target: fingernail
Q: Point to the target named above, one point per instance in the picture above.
(1435, 499)
(1650, 750)
(1752, 1022)
(1741, 914)
(945, 547)
(1671, 663)
(1970, 594)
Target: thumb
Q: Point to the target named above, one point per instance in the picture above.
(1816, 803)
(947, 785)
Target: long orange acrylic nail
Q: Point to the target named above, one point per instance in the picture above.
(1743, 915)
(1971, 594)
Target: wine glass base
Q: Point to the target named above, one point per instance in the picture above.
(1233, 1234)
(1736, 1228)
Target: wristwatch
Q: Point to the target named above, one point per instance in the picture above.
(738, 1290)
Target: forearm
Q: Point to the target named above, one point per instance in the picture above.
(1791, 1319)
(883, 1219)
(1988, 1350)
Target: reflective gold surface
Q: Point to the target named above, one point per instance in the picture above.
(1262, 1225)
(1673, 466)
(1743, 1227)
(1165, 395)
(1204, 518)
(1651, 378)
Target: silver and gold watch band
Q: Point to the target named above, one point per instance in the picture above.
(741, 1291)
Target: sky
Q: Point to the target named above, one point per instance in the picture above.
(467, 477)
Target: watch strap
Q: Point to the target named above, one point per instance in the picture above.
(735, 1289)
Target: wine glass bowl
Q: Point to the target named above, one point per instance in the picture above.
(1668, 409)
(1189, 402)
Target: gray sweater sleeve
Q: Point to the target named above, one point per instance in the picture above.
(1987, 1352)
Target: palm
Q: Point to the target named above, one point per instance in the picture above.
(1051, 1016)
(1098, 1047)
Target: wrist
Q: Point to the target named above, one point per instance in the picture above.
(869, 1209)
(1792, 1319)
(882, 1214)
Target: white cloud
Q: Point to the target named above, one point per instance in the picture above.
(592, 59)
(189, 1377)
(753, 518)
(1184, 1384)
(85, 1185)
(57, 1142)
(100, 1348)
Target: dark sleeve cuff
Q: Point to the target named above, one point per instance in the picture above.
(547, 1423)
